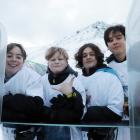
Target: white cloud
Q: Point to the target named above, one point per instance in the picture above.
(42, 22)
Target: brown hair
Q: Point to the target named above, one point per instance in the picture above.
(13, 45)
(114, 29)
(98, 54)
(52, 50)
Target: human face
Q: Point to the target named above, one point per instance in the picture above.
(89, 59)
(57, 63)
(117, 43)
(14, 61)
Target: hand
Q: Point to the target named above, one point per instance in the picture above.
(59, 102)
(66, 87)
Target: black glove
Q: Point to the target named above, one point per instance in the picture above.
(7, 100)
(46, 115)
(23, 103)
(17, 102)
(59, 102)
(34, 105)
(22, 108)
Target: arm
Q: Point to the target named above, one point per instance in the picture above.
(67, 109)
(100, 114)
(22, 108)
(107, 104)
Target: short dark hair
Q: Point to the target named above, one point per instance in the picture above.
(98, 54)
(114, 29)
(10, 46)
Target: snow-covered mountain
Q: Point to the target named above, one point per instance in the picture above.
(86, 34)
(90, 34)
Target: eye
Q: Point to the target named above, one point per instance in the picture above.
(92, 54)
(118, 37)
(110, 40)
(52, 59)
(84, 55)
(9, 55)
(60, 59)
(19, 57)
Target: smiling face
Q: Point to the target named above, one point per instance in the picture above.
(14, 61)
(57, 63)
(116, 43)
(89, 59)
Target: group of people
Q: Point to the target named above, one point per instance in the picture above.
(62, 95)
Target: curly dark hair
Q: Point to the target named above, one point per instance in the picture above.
(114, 29)
(98, 55)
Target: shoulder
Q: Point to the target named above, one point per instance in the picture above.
(107, 81)
(44, 77)
(28, 72)
(106, 76)
(44, 80)
(110, 58)
(118, 66)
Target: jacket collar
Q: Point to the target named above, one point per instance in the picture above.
(59, 78)
(112, 58)
(93, 70)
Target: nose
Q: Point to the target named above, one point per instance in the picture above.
(56, 61)
(13, 58)
(88, 55)
(115, 41)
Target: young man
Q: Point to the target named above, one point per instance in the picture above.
(114, 38)
(104, 91)
(115, 41)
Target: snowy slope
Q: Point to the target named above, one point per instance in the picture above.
(90, 34)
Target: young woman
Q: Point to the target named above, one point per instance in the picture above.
(64, 94)
(104, 91)
(23, 90)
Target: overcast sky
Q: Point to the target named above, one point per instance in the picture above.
(41, 22)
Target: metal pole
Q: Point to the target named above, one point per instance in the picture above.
(3, 43)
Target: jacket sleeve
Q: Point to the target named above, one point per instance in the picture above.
(100, 114)
(21, 108)
(66, 110)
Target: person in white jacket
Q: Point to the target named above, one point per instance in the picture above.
(64, 94)
(115, 40)
(20, 82)
(114, 37)
(104, 91)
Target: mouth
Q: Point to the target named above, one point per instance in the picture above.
(56, 66)
(116, 47)
(88, 61)
(12, 65)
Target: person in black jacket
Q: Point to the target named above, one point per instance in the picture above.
(64, 95)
